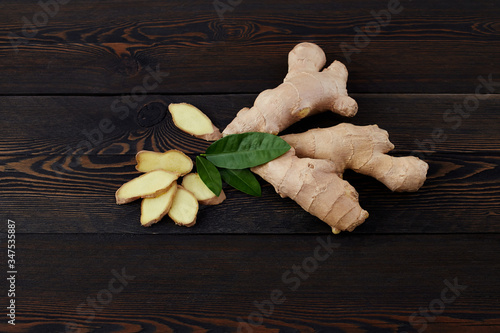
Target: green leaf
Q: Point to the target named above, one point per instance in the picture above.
(209, 174)
(246, 150)
(243, 180)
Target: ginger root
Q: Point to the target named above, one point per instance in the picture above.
(316, 186)
(305, 91)
(362, 149)
(310, 173)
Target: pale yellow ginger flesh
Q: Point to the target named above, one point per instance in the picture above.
(171, 160)
(148, 185)
(305, 91)
(193, 183)
(184, 208)
(315, 185)
(191, 120)
(154, 209)
(362, 149)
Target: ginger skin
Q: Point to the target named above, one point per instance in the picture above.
(310, 173)
(362, 149)
(316, 186)
(305, 91)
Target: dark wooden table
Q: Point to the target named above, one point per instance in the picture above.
(83, 87)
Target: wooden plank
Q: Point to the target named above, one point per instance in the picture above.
(46, 182)
(205, 283)
(425, 48)
(70, 124)
(461, 195)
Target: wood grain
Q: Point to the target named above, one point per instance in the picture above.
(197, 283)
(460, 195)
(56, 184)
(61, 125)
(74, 112)
(426, 48)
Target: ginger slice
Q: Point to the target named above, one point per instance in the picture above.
(171, 160)
(191, 120)
(184, 208)
(154, 209)
(148, 185)
(193, 183)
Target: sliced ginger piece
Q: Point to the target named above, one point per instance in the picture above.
(148, 185)
(184, 208)
(193, 183)
(191, 120)
(171, 160)
(154, 209)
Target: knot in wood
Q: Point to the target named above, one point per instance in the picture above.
(151, 114)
